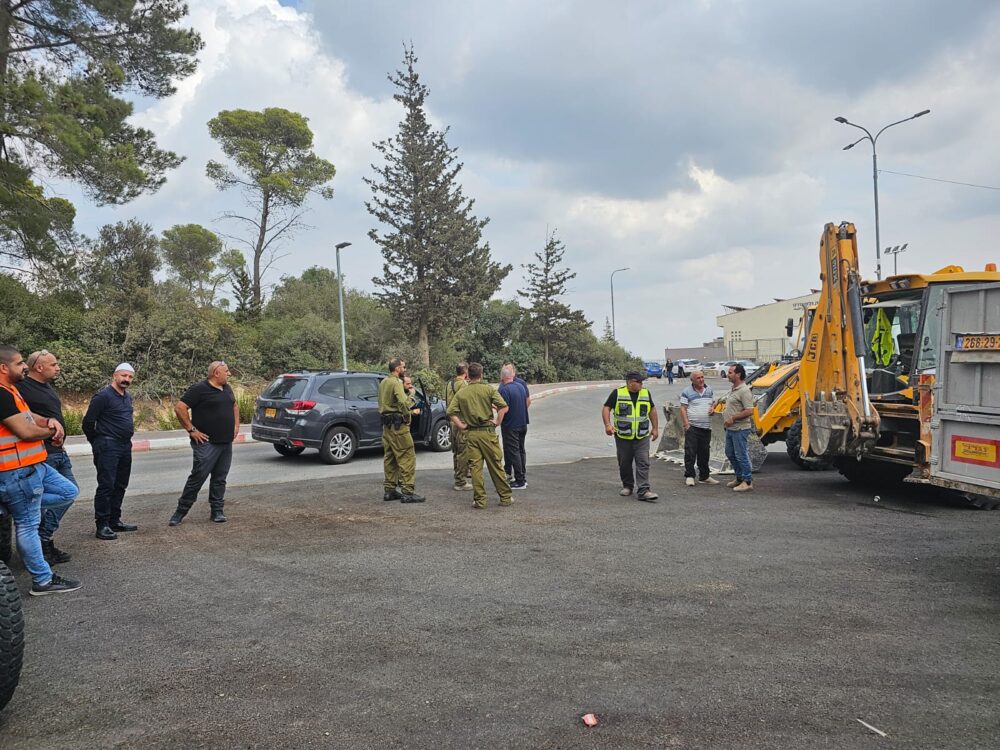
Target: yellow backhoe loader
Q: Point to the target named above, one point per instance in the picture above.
(900, 378)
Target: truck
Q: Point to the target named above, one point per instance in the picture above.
(899, 379)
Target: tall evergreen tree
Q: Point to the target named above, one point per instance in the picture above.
(609, 335)
(544, 284)
(437, 268)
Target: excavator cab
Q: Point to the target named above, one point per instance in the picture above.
(890, 332)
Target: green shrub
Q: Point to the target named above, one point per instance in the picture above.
(166, 419)
(247, 403)
(431, 380)
(74, 421)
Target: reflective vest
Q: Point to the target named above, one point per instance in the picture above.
(14, 452)
(632, 423)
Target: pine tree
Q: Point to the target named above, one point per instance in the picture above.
(437, 269)
(544, 284)
(609, 334)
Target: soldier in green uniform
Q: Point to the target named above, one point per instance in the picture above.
(471, 410)
(459, 461)
(400, 462)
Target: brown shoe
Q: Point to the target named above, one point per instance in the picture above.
(732, 484)
(743, 487)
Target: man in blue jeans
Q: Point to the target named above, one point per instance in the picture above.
(736, 418)
(109, 426)
(209, 412)
(44, 401)
(27, 484)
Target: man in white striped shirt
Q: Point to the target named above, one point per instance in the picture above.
(696, 408)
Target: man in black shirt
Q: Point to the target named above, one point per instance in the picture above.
(37, 391)
(109, 427)
(209, 412)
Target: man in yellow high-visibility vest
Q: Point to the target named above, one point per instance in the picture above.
(629, 415)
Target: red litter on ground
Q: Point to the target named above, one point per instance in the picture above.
(590, 720)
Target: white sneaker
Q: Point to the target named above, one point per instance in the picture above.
(689, 481)
(708, 480)
(743, 487)
(732, 484)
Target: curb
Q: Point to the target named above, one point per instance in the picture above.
(568, 388)
(142, 445)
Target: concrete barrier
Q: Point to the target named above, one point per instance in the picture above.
(671, 447)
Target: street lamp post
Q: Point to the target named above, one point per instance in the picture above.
(613, 333)
(894, 252)
(873, 138)
(340, 292)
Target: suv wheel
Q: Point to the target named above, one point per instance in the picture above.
(289, 450)
(441, 436)
(11, 635)
(339, 446)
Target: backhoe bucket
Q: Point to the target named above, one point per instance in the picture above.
(671, 446)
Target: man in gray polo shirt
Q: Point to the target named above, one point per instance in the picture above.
(696, 409)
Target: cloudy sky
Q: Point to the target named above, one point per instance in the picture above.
(692, 141)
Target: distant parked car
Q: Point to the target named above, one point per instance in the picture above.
(683, 367)
(336, 412)
(748, 365)
(653, 369)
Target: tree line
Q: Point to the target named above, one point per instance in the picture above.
(171, 299)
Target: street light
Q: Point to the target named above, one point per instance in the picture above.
(340, 291)
(613, 335)
(894, 252)
(869, 137)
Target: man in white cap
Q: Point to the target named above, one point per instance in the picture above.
(109, 427)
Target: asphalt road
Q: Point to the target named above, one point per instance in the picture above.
(321, 617)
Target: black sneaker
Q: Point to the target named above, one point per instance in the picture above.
(58, 585)
(54, 555)
(519, 485)
(218, 516)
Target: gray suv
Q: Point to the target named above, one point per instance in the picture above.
(337, 413)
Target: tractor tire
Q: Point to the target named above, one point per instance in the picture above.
(288, 450)
(441, 436)
(793, 443)
(339, 446)
(872, 473)
(11, 635)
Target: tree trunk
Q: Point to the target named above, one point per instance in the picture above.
(545, 342)
(424, 345)
(258, 251)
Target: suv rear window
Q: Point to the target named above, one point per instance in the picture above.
(286, 388)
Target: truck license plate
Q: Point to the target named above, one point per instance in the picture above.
(270, 413)
(978, 341)
(971, 450)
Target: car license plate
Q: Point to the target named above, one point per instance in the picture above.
(977, 341)
(270, 413)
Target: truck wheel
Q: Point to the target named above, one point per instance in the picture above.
(793, 444)
(441, 436)
(6, 537)
(288, 450)
(11, 635)
(872, 473)
(339, 446)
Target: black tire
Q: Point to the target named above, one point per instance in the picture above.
(981, 502)
(441, 436)
(793, 444)
(873, 473)
(6, 537)
(11, 635)
(288, 450)
(339, 446)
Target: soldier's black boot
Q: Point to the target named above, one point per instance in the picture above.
(412, 499)
(218, 516)
(390, 495)
(54, 555)
(176, 518)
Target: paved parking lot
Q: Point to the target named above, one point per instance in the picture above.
(321, 617)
